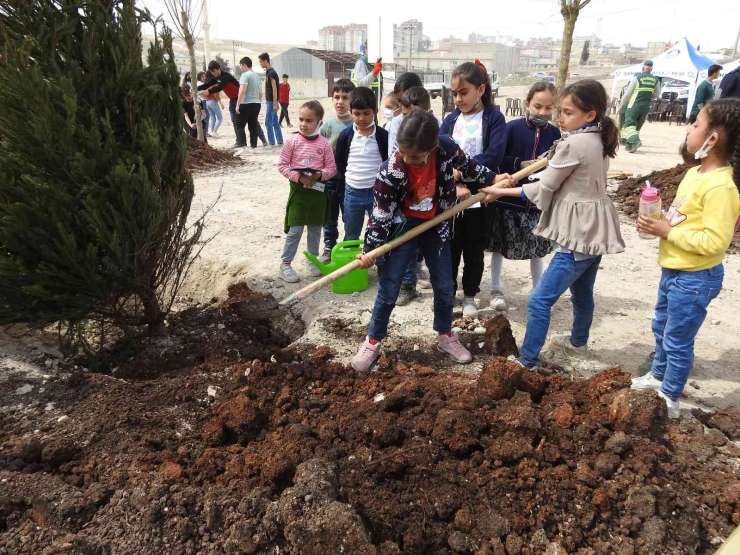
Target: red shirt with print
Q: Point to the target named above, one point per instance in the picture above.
(421, 200)
(284, 93)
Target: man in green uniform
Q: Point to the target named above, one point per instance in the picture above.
(365, 74)
(704, 92)
(643, 88)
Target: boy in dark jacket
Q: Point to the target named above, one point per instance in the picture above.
(360, 151)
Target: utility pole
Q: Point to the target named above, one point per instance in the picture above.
(411, 46)
(206, 33)
(737, 40)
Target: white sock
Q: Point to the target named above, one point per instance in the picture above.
(537, 267)
(497, 262)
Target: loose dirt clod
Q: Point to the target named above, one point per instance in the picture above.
(295, 455)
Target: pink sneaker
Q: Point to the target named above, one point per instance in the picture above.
(366, 356)
(452, 346)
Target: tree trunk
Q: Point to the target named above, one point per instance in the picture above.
(190, 42)
(570, 15)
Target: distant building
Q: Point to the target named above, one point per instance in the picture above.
(332, 38)
(409, 32)
(655, 48)
(579, 42)
(354, 36)
(322, 67)
(343, 38)
(312, 43)
(539, 57)
(499, 58)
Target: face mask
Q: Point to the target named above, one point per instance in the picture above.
(316, 131)
(703, 152)
(340, 115)
(538, 120)
(389, 114)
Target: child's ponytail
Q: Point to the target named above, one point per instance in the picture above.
(590, 95)
(725, 114)
(609, 135)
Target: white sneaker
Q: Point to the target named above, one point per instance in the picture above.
(648, 381)
(468, 307)
(497, 300)
(674, 411)
(287, 273)
(313, 269)
(512, 358)
(565, 342)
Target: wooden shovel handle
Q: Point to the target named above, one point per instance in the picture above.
(418, 230)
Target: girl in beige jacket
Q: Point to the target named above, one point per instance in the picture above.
(577, 216)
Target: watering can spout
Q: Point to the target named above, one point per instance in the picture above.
(325, 269)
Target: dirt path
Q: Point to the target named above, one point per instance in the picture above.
(248, 224)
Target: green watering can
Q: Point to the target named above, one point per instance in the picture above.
(341, 255)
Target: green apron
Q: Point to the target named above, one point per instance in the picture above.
(306, 207)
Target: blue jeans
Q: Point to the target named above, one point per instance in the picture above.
(335, 190)
(357, 203)
(437, 255)
(273, 125)
(214, 114)
(563, 272)
(683, 298)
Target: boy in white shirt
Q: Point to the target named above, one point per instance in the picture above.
(360, 151)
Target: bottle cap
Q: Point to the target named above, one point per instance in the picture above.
(650, 194)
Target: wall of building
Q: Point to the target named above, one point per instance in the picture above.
(308, 89)
(500, 58)
(299, 65)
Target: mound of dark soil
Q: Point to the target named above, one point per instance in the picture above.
(237, 443)
(203, 157)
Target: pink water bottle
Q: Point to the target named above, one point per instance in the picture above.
(650, 206)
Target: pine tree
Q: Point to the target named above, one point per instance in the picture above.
(94, 191)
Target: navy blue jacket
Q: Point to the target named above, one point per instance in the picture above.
(524, 142)
(731, 85)
(494, 138)
(344, 141)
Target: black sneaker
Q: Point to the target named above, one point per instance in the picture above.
(406, 295)
(647, 366)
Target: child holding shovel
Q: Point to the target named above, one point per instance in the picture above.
(413, 187)
(307, 161)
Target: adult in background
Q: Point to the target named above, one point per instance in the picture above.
(248, 105)
(642, 89)
(705, 92)
(730, 85)
(284, 100)
(222, 81)
(365, 74)
(272, 82)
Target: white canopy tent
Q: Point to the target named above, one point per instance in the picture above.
(681, 61)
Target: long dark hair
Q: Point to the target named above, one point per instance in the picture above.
(419, 130)
(724, 114)
(476, 75)
(589, 95)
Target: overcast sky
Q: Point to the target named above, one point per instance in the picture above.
(712, 24)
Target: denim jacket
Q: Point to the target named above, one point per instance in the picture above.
(392, 184)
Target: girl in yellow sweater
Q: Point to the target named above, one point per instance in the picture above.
(695, 234)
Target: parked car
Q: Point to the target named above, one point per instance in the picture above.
(549, 79)
(538, 74)
(680, 88)
(575, 74)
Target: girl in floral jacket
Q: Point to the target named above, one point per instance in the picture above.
(412, 187)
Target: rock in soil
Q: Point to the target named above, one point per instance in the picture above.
(300, 454)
